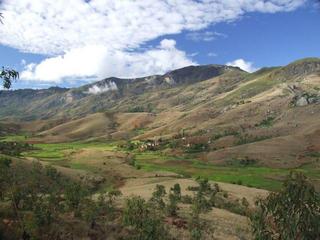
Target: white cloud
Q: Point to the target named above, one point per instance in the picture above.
(103, 33)
(212, 54)
(53, 27)
(23, 62)
(168, 44)
(244, 65)
(95, 89)
(206, 36)
(94, 62)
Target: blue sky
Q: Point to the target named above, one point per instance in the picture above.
(56, 49)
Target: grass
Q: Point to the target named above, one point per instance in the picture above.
(252, 176)
(13, 138)
(259, 177)
(249, 90)
(59, 153)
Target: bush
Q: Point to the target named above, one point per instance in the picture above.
(172, 206)
(174, 198)
(142, 217)
(268, 122)
(157, 197)
(292, 213)
(74, 193)
(136, 109)
(186, 199)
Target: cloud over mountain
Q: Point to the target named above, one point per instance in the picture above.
(114, 31)
(98, 61)
(244, 65)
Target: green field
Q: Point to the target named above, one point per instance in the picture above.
(259, 177)
(189, 166)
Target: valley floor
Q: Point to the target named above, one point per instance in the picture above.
(113, 162)
(108, 166)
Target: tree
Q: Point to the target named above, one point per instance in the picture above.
(291, 214)
(158, 195)
(7, 75)
(201, 203)
(74, 194)
(174, 198)
(145, 221)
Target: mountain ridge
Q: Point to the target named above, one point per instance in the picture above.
(270, 116)
(119, 94)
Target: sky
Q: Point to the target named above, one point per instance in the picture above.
(71, 43)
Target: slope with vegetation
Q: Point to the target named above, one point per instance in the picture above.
(196, 146)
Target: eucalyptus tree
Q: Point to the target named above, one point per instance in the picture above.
(7, 75)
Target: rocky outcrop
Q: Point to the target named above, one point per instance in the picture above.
(298, 69)
(304, 99)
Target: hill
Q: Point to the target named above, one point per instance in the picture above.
(268, 118)
(214, 130)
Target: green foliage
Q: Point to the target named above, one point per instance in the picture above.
(176, 191)
(195, 227)
(186, 199)
(243, 162)
(14, 148)
(245, 202)
(39, 199)
(224, 134)
(199, 228)
(267, 122)
(8, 75)
(172, 206)
(5, 164)
(52, 173)
(43, 212)
(245, 139)
(231, 205)
(101, 209)
(91, 211)
(74, 193)
(201, 203)
(131, 161)
(157, 197)
(145, 221)
(174, 199)
(292, 213)
(136, 109)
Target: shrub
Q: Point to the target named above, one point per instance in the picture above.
(176, 191)
(174, 198)
(157, 197)
(246, 139)
(292, 213)
(268, 122)
(146, 223)
(136, 109)
(172, 206)
(186, 199)
(74, 193)
(245, 202)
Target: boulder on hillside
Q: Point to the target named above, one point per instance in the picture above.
(303, 99)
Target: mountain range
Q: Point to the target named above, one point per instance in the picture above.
(271, 115)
